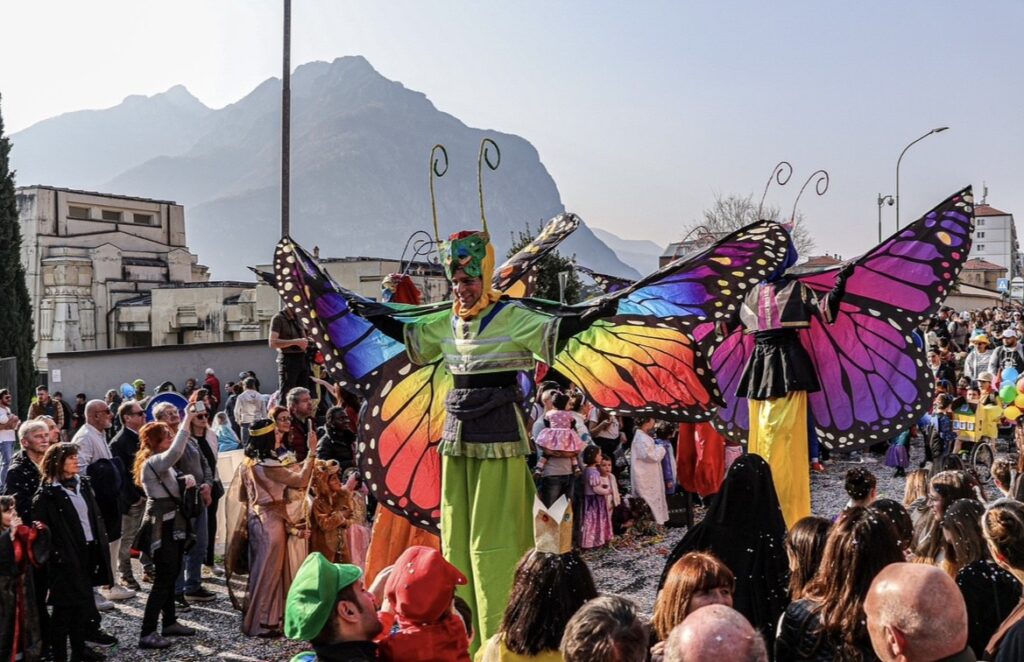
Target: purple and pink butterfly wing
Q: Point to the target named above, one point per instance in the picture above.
(874, 381)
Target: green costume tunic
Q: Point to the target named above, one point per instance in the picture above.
(487, 493)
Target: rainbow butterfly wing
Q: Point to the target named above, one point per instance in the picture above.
(352, 347)
(400, 426)
(661, 369)
(402, 415)
(710, 284)
(638, 365)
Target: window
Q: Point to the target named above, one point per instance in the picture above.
(143, 219)
(981, 247)
(980, 222)
(79, 212)
(110, 215)
(980, 235)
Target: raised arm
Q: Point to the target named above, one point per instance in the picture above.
(161, 462)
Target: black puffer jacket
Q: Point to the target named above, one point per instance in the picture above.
(71, 571)
(337, 445)
(800, 639)
(23, 480)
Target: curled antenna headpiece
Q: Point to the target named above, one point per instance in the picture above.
(780, 173)
(820, 178)
(422, 246)
(436, 170)
(482, 158)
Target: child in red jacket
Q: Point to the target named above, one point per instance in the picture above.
(420, 591)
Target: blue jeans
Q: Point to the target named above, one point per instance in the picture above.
(553, 487)
(6, 451)
(191, 575)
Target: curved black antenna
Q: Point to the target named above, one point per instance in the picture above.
(780, 173)
(482, 158)
(421, 246)
(704, 234)
(436, 171)
(820, 187)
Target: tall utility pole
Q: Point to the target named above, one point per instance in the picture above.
(286, 121)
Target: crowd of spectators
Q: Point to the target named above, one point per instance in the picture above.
(98, 494)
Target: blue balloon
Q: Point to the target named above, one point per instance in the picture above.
(1010, 375)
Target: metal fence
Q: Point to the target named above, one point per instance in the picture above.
(9, 378)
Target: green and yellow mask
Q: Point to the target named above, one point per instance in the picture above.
(467, 251)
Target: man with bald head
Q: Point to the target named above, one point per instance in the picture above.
(915, 613)
(96, 461)
(718, 633)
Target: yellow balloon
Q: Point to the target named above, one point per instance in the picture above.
(1012, 413)
(1019, 402)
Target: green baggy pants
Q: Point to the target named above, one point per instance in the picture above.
(486, 527)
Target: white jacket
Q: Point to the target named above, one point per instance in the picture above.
(250, 407)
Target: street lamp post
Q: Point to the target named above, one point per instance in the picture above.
(882, 200)
(286, 120)
(935, 130)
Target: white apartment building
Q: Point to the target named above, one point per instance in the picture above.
(995, 239)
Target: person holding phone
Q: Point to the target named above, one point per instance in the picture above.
(194, 462)
(165, 532)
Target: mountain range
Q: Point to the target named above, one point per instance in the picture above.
(359, 166)
(641, 254)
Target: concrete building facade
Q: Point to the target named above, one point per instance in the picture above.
(982, 273)
(113, 271)
(995, 239)
(86, 252)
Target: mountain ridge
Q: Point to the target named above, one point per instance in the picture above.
(360, 146)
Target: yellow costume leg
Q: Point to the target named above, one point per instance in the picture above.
(778, 433)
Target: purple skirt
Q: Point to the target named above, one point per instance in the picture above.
(597, 524)
(897, 457)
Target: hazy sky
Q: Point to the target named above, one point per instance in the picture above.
(642, 111)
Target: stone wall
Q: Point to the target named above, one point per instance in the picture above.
(94, 372)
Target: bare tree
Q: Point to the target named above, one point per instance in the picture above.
(732, 212)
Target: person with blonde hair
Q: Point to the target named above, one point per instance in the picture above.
(989, 592)
(944, 488)
(1003, 528)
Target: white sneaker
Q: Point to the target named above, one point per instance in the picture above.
(118, 592)
(102, 604)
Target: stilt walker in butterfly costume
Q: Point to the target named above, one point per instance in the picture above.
(834, 348)
(439, 380)
(487, 493)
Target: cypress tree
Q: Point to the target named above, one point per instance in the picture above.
(16, 338)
